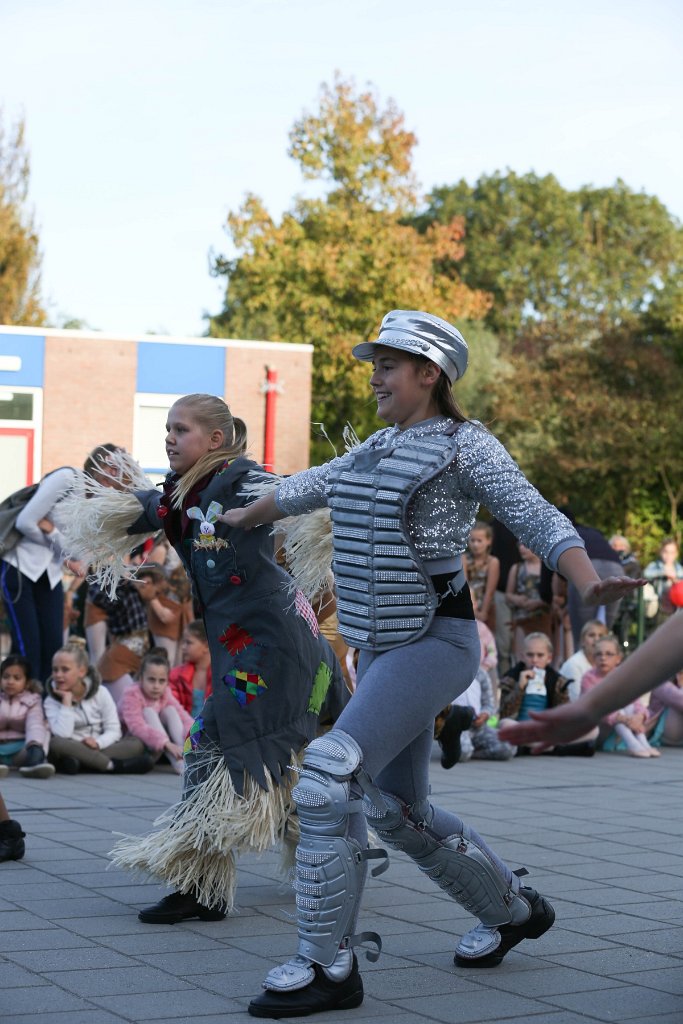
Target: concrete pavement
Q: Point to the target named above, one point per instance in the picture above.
(602, 837)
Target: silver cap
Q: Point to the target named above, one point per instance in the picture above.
(421, 334)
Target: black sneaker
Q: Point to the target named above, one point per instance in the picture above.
(179, 906)
(542, 918)
(321, 995)
(134, 765)
(459, 720)
(12, 845)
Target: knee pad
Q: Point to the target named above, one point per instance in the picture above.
(330, 867)
(456, 863)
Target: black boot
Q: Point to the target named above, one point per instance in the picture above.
(69, 765)
(12, 845)
(139, 765)
(35, 766)
(459, 720)
(321, 995)
(542, 918)
(178, 906)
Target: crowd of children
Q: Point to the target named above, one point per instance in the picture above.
(72, 721)
(543, 672)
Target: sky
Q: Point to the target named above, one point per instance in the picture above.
(148, 121)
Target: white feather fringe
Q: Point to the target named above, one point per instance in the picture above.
(199, 838)
(94, 519)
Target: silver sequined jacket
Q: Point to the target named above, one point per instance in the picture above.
(443, 512)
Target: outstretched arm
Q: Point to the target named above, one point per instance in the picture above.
(263, 510)
(575, 565)
(658, 659)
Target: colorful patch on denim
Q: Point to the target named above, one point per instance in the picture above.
(194, 735)
(235, 639)
(244, 686)
(304, 609)
(321, 684)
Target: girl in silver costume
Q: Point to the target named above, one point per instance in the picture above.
(407, 607)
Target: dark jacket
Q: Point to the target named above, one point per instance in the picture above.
(512, 694)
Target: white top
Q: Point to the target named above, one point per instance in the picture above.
(574, 669)
(94, 716)
(38, 552)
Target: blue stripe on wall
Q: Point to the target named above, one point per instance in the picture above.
(180, 369)
(31, 350)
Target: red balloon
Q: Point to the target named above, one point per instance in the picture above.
(675, 594)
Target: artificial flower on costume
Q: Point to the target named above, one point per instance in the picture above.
(235, 639)
(321, 684)
(303, 608)
(244, 686)
(194, 735)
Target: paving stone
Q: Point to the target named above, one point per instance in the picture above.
(39, 999)
(158, 1005)
(12, 976)
(93, 1015)
(615, 961)
(116, 981)
(469, 1007)
(88, 959)
(619, 1004)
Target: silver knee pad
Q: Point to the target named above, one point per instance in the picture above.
(457, 863)
(330, 867)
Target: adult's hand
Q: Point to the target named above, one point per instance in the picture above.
(609, 590)
(546, 728)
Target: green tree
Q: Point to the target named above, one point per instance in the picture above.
(583, 259)
(330, 269)
(19, 252)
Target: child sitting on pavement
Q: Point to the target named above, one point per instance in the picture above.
(191, 681)
(534, 685)
(24, 734)
(629, 723)
(149, 710)
(86, 731)
(575, 668)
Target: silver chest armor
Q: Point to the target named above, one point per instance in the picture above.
(385, 596)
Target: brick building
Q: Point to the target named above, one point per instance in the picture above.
(63, 392)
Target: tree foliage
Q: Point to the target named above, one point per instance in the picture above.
(19, 251)
(593, 256)
(333, 266)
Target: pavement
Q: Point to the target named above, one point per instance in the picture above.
(601, 837)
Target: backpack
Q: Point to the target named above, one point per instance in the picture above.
(9, 511)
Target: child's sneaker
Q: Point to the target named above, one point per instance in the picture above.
(11, 840)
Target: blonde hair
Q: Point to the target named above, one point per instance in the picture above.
(76, 647)
(540, 636)
(211, 413)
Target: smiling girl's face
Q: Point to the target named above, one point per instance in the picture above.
(403, 387)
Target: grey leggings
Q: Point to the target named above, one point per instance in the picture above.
(391, 716)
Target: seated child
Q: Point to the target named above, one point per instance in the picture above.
(24, 735)
(191, 681)
(534, 685)
(666, 703)
(149, 710)
(575, 668)
(629, 722)
(481, 741)
(86, 731)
